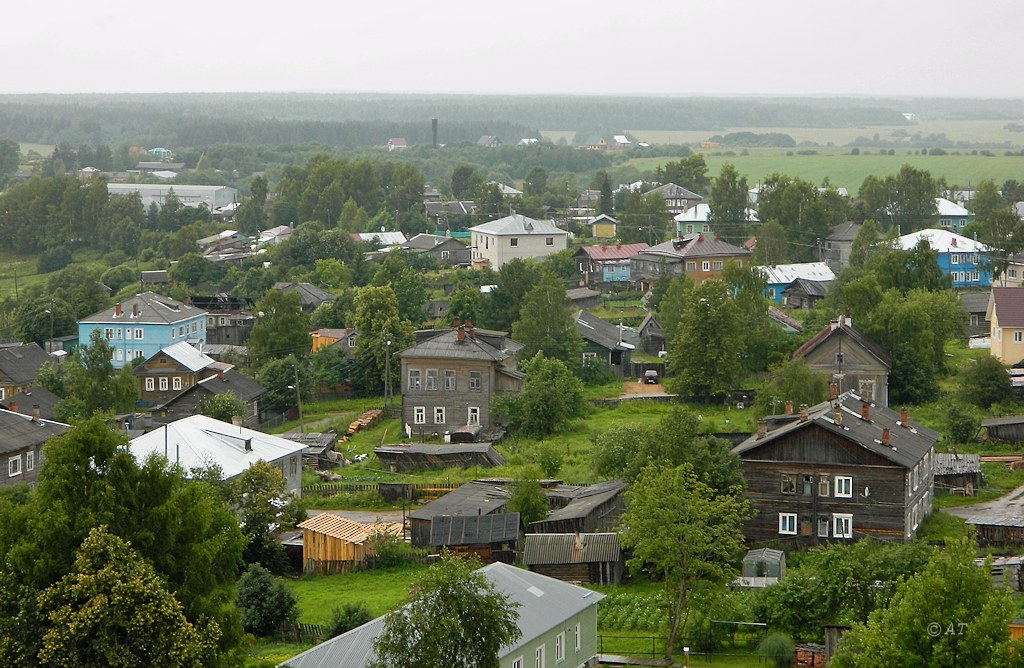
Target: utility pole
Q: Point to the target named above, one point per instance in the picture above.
(387, 373)
(298, 398)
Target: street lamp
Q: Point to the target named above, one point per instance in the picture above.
(298, 398)
(686, 657)
(49, 344)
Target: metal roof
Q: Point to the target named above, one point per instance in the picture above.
(941, 241)
(601, 332)
(447, 346)
(570, 548)
(21, 363)
(585, 499)
(186, 355)
(517, 225)
(544, 604)
(473, 498)
(448, 530)
(907, 444)
(145, 308)
(611, 253)
(787, 273)
(1008, 306)
(694, 245)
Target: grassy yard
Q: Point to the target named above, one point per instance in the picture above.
(382, 589)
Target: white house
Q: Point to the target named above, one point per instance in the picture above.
(199, 441)
(505, 239)
(696, 219)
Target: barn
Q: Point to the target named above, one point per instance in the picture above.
(335, 544)
(594, 558)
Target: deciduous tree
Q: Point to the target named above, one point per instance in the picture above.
(546, 323)
(551, 396)
(281, 329)
(705, 353)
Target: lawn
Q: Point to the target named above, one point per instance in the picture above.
(382, 589)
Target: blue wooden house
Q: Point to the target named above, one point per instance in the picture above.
(139, 327)
(778, 276)
(964, 260)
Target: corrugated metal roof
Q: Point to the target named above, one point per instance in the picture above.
(152, 308)
(569, 548)
(448, 530)
(787, 273)
(611, 253)
(585, 499)
(187, 356)
(601, 332)
(948, 463)
(941, 241)
(473, 498)
(447, 346)
(517, 224)
(544, 604)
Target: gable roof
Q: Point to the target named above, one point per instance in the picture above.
(33, 396)
(21, 363)
(603, 218)
(517, 225)
(942, 241)
(569, 548)
(544, 603)
(185, 355)
(810, 288)
(424, 241)
(974, 302)
(386, 238)
(787, 273)
(453, 207)
(844, 231)
(145, 308)
(950, 209)
(198, 441)
(309, 294)
(473, 498)
(694, 245)
(231, 380)
(342, 528)
(584, 500)
(18, 431)
(447, 530)
(673, 191)
(472, 347)
(603, 333)
(907, 444)
(783, 319)
(1008, 304)
(840, 327)
(611, 253)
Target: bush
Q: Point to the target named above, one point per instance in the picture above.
(266, 606)
(53, 259)
(393, 551)
(348, 617)
(550, 459)
(777, 648)
(963, 427)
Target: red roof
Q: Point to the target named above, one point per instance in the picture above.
(1009, 306)
(617, 252)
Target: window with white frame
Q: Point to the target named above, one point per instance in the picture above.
(844, 486)
(414, 379)
(14, 466)
(473, 416)
(431, 379)
(176, 383)
(560, 647)
(705, 228)
(842, 525)
(539, 659)
(822, 527)
(128, 333)
(691, 266)
(181, 330)
(150, 384)
(138, 354)
(438, 414)
(954, 258)
(419, 415)
(108, 333)
(1012, 273)
(588, 356)
(163, 384)
(787, 524)
(449, 380)
(474, 380)
(513, 242)
(517, 662)
(1018, 336)
(119, 355)
(138, 334)
(705, 265)
(30, 460)
(445, 254)
(975, 276)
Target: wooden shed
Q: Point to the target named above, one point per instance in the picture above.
(490, 537)
(1009, 429)
(592, 509)
(957, 474)
(335, 544)
(594, 558)
(473, 498)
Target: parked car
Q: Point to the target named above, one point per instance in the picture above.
(650, 377)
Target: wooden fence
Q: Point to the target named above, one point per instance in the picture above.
(413, 489)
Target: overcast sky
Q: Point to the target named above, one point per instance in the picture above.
(680, 47)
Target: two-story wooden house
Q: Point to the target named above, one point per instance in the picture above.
(139, 327)
(450, 377)
(839, 471)
(699, 256)
(21, 445)
(19, 367)
(606, 264)
(173, 369)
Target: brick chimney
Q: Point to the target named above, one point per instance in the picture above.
(865, 410)
(837, 415)
(456, 322)
(13, 406)
(220, 375)
(460, 334)
(787, 408)
(885, 437)
(762, 429)
(135, 310)
(470, 329)
(117, 310)
(35, 413)
(803, 412)
(904, 417)
(833, 391)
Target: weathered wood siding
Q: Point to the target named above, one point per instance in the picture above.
(323, 554)
(600, 572)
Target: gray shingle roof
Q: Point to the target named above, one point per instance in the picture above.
(21, 363)
(473, 498)
(18, 431)
(243, 387)
(585, 499)
(601, 332)
(694, 245)
(33, 396)
(309, 294)
(518, 225)
(447, 346)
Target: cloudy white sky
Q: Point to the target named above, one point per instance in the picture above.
(662, 47)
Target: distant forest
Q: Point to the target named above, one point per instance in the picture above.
(371, 119)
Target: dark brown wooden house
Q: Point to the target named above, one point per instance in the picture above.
(838, 471)
(594, 558)
(490, 537)
(186, 402)
(804, 293)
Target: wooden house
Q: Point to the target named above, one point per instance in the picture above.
(490, 537)
(593, 509)
(418, 456)
(976, 306)
(19, 367)
(838, 471)
(853, 361)
(36, 401)
(186, 402)
(603, 343)
(172, 369)
(593, 558)
(335, 544)
(473, 498)
(603, 227)
(21, 445)
(804, 293)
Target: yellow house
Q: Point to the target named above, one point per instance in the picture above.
(326, 336)
(603, 227)
(1006, 313)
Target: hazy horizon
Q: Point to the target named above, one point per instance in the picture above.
(649, 48)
